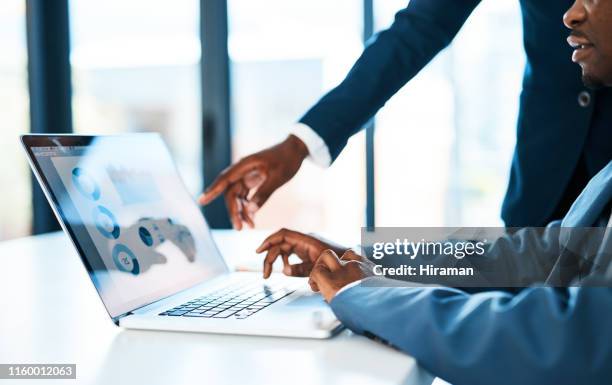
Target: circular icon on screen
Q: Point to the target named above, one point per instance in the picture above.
(145, 236)
(125, 260)
(85, 184)
(106, 223)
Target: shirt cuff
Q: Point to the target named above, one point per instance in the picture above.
(318, 152)
(348, 286)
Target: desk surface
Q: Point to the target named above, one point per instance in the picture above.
(51, 313)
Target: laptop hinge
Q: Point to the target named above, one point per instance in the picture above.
(117, 318)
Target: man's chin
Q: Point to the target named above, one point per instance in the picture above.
(593, 77)
(592, 82)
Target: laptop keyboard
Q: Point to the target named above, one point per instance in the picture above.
(238, 301)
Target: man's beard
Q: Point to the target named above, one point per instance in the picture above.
(592, 82)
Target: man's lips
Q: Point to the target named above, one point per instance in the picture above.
(582, 47)
(577, 42)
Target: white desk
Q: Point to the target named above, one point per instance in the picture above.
(51, 313)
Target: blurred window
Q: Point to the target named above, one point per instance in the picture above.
(15, 184)
(136, 67)
(284, 56)
(444, 142)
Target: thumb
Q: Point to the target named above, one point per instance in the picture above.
(319, 277)
(298, 270)
(255, 178)
(350, 255)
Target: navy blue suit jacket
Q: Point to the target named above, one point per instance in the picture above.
(554, 130)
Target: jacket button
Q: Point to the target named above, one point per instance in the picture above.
(584, 99)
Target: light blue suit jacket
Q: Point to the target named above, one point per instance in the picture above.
(539, 335)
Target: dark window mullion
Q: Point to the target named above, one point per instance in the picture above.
(49, 86)
(216, 133)
(368, 30)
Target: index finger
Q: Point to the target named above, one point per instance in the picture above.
(227, 177)
(271, 256)
(282, 235)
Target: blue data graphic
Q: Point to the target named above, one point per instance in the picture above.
(85, 184)
(125, 260)
(106, 223)
(145, 236)
(133, 249)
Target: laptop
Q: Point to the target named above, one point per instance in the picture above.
(148, 249)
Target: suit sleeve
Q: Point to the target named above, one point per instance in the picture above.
(393, 57)
(541, 335)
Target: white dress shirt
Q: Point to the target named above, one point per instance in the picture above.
(318, 152)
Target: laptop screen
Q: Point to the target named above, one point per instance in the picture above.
(139, 232)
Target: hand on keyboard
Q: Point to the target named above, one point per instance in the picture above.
(285, 242)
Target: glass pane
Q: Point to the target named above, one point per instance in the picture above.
(449, 133)
(15, 206)
(284, 56)
(136, 68)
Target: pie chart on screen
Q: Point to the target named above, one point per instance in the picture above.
(106, 223)
(125, 260)
(85, 184)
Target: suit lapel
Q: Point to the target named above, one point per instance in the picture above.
(585, 249)
(589, 206)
